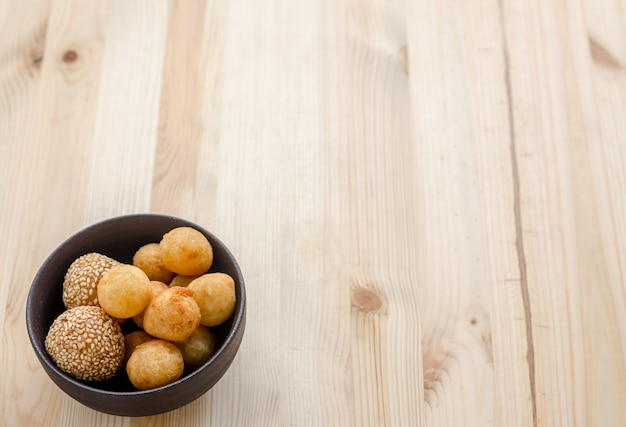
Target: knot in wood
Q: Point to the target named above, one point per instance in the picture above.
(70, 56)
(367, 300)
(435, 359)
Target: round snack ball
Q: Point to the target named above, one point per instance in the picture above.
(154, 364)
(86, 343)
(156, 288)
(134, 339)
(173, 315)
(124, 291)
(198, 348)
(186, 251)
(148, 258)
(215, 295)
(82, 277)
(182, 281)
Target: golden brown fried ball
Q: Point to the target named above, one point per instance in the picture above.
(124, 291)
(198, 348)
(182, 281)
(156, 288)
(154, 364)
(148, 258)
(173, 315)
(86, 343)
(186, 251)
(82, 277)
(215, 295)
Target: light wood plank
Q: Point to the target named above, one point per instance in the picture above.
(607, 75)
(377, 214)
(576, 297)
(127, 113)
(474, 334)
(601, 72)
(271, 207)
(186, 164)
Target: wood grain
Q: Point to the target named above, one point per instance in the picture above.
(470, 282)
(126, 121)
(426, 198)
(189, 112)
(568, 266)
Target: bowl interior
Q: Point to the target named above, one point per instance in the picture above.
(119, 238)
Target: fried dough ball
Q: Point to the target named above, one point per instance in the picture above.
(198, 348)
(86, 343)
(182, 281)
(156, 288)
(82, 277)
(134, 339)
(173, 315)
(148, 258)
(186, 251)
(215, 295)
(124, 291)
(154, 364)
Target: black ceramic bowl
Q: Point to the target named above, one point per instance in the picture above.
(119, 238)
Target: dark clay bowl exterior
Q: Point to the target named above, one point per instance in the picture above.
(119, 238)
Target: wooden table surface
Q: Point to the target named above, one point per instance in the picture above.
(427, 198)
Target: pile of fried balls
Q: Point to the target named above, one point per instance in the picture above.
(168, 294)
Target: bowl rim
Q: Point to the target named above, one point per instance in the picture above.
(231, 337)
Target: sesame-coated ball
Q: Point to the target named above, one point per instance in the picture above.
(86, 343)
(82, 277)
